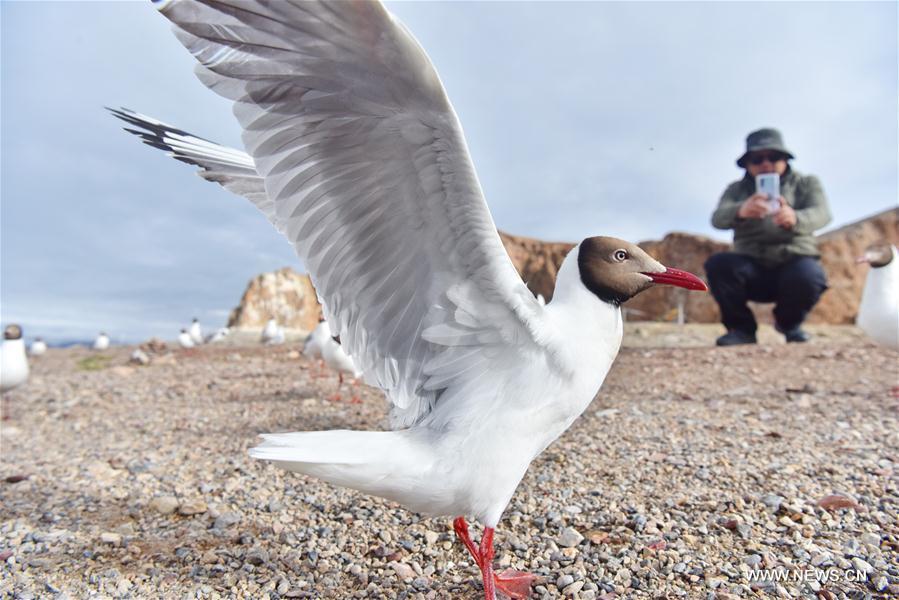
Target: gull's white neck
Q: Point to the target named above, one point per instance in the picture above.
(589, 330)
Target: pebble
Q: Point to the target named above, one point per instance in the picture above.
(108, 537)
(569, 538)
(226, 520)
(165, 505)
(862, 565)
(402, 570)
(573, 588)
(192, 507)
(431, 537)
(257, 556)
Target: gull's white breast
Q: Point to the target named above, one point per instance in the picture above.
(878, 312)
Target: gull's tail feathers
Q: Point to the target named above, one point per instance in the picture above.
(389, 464)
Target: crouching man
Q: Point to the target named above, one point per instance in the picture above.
(775, 256)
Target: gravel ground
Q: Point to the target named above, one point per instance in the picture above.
(694, 470)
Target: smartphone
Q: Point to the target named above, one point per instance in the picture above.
(769, 184)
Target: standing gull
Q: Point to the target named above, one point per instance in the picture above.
(357, 156)
(878, 312)
(101, 342)
(312, 347)
(272, 333)
(339, 361)
(38, 347)
(196, 332)
(13, 362)
(185, 340)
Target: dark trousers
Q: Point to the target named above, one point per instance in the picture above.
(794, 287)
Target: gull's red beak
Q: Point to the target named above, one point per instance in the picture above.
(679, 278)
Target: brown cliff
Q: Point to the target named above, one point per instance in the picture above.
(286, 295)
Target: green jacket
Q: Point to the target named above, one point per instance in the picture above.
(761, 238)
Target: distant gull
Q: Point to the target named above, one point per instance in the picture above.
(101, 342)
(13, 362)
(312, 347)
(272, 333)
(38, 347)
(196, 332)
(878, 312)
(338, 360)
(359, 159)
(219, 335)
(185, 340)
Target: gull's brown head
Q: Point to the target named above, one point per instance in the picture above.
(616, 270)
(877, 255)
(12, 332)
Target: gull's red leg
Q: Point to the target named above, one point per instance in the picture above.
(486, 552)
(512, 583)
(461, 529)
(336, 397)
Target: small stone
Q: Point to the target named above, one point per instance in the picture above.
(872, 539)
(402, 570)
(863, 566)
(569, 538)
(564, 581)
(571, 590)
(192, 507)
(431, 537)
(165, 505)
(772, 501)
(108, 537)
(881, 583)
(385, 536)
(256, 556)
(226, 520)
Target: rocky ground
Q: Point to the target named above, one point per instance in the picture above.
(695, 471)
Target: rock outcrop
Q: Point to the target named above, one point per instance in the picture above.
(286, 295)
(537, 261)
(289, 296)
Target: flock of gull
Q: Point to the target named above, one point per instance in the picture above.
(355, 154)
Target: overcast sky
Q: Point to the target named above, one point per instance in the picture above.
(582, 118)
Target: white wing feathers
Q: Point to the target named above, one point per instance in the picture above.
(364, 159)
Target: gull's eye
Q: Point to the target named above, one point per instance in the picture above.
(620, 255)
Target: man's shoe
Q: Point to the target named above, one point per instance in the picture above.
(795, 335)
(735, 337)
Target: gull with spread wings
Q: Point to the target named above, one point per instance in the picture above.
(354, 152)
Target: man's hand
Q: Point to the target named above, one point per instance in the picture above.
(786, 216)
(754, 207)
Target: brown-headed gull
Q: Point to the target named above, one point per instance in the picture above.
(312, 347)
(196, 332)
(101, 342)
(272, 333)
(13, 362)
(357, 156)
(878, 312)
(219, 336)
(185, 340)
(38, 347)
